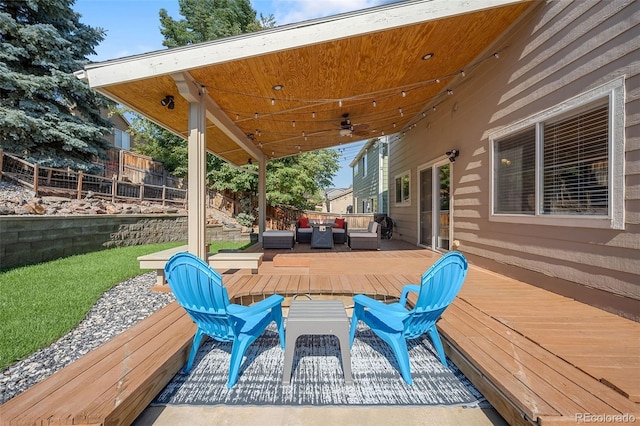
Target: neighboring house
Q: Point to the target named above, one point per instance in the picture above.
(338, 200)
(119, 137)
(547, 181)
(370, 181)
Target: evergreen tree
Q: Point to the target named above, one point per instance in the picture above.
(47, 115)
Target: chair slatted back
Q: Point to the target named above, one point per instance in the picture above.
(439, 286)
(198, 289)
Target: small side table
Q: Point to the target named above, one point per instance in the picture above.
(316, 317)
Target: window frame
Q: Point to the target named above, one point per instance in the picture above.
(405, 199)
(612, 94)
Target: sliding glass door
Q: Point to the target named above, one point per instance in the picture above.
(434, 213)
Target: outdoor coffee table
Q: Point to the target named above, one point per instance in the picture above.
(316, 317)
(321, 236)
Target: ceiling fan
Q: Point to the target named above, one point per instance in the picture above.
(347, 128)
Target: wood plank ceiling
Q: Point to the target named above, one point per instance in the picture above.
(379, 79)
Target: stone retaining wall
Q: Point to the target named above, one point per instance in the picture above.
(26, 240)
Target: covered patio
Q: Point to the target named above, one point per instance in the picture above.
(307, 86)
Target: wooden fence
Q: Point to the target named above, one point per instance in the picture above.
(68, 182)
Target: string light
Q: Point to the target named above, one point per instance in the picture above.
(449, 92)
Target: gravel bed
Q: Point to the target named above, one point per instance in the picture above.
(118, 309)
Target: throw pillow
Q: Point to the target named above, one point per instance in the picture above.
(338, 223)
(304, 222)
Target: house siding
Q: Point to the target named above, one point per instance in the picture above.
(558, 51)
(367, 187)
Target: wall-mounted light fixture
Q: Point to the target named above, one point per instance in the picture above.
(452, 154)
(168, 102)
(249, 161)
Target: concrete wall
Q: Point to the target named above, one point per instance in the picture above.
(559, 51)
(27, 240)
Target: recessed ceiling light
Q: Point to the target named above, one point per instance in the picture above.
(278, 87)
(427, 56)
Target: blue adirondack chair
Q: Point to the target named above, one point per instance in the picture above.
(198, 289)
(394, 323)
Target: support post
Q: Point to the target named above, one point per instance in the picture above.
(262, 196)
(197, 178)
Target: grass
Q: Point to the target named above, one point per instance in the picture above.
(41, 303)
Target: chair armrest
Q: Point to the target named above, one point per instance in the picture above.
(257, 308)
(405, 292)
(374, 305)
(345, 226)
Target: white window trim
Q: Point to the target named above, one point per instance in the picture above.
(401, 175)
(614, 92)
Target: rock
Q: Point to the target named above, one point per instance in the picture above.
(35, 208)
(4, 211)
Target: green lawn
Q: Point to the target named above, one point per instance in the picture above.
(41, 303)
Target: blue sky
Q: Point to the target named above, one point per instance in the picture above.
(133, 27)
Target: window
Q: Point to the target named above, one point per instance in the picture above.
(403, 189)
(563, 168)
(122, 139)
(364, 165)
(355, 169)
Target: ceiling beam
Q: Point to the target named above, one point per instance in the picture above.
(193, 91)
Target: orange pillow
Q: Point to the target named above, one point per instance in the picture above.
(304, 222)
(338, 223)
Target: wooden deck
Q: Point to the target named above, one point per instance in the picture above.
(539, 358)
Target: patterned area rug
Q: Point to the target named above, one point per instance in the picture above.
(317, 376)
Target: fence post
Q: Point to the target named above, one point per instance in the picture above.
(1, 158)
(49, 173)
(164, 194)
(141, 191)
(79, 185)
(35, 179)
(114, 188)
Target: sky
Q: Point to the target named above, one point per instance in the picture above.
(133, 27)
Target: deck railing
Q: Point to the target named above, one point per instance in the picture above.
(51, 180)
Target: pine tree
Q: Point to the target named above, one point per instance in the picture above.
(47, 115)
